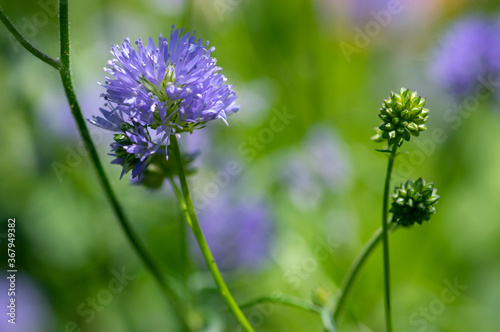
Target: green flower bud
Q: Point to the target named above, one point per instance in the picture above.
(403, 115)
(128, 159)
(321, 295)
(413, 202)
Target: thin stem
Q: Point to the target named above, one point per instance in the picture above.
(354, 269)
(385, 237)
(65, 73)
(328, 320)
(287, 300)
(190, 215)
(182, 233)
(27, 45)
(182, 202)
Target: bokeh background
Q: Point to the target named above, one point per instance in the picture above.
(310, 76)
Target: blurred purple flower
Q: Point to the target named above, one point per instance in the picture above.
(300, 182)
(469, 51)
(239, 233)
(32, 309)
(321, 164)
(361, 10)
(54, 112)
(160, 90)
(328, 159)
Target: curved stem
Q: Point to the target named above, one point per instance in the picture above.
(190, 215)
(356, 267)
(182, 202)
(385, 237)
(182, 233)
(287, 300)
(65, 73)
(56, 63)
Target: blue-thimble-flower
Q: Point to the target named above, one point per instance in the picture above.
(154, 91)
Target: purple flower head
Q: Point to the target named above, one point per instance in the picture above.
(154, 91)
(468, 52)
(239, 233)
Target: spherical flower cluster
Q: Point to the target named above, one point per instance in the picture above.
(160, 90)
(414, 202)
(467, 55)
(403, 114)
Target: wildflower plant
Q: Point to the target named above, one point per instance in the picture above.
(156, 92)
(152, 95)
(403, 115)
(63, 67)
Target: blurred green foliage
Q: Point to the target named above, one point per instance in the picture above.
(278, 54)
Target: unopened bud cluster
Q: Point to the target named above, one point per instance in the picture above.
(414, 202)
(403, 115)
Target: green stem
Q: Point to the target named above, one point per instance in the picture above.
(64, 68)
(354, 269)
(65, 73)
(27, 45)
(182, 233)
(287, 300)
(190, 216)
(385, 237)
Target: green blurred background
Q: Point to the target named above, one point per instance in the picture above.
(281, 56)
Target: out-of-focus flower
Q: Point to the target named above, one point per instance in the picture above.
(409, 17)
(403, 114)
(300, 182)
(160, 90)
(328, 160)
(468, 52)
(414, 202)
(239, 233)
(362, 10)
(32, 310)
(319, 165)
